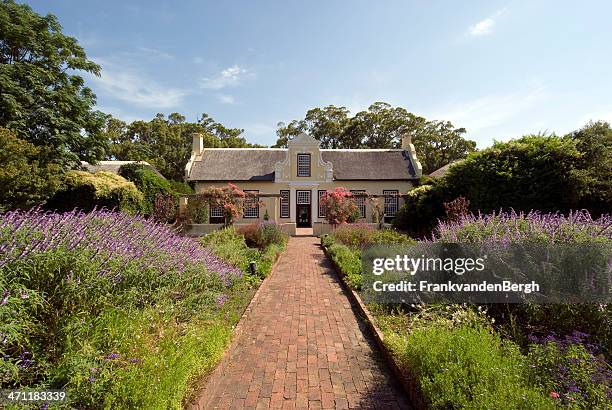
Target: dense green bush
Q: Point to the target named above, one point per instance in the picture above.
(538, 172)
(149, 182)
(468, 367)
(262, 234)
(571, 370)
(349, 262)
(231, 246)
(358, 236)
(85, 191)
(25, 180)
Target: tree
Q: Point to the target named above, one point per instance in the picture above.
(165, 143)
(381, 126)
(594, 141)
(340, 207)
(24, 180)
(42, 99)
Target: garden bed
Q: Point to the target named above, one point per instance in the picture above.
(118, 310)
(543, 356)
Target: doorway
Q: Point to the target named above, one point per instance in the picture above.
(303, 209)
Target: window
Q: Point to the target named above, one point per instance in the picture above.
(303, 165)
(303, 197)
(284, 204)
(360, 200)
(391, 202)
(216, 215)
(322, 213)
(251, 204)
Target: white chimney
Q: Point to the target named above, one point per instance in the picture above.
(198, 144)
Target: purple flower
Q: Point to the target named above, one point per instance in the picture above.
(112, 356)
(134, 360)
(5, 296)
(221, 299)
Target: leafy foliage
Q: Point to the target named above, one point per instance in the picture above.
(119, 310)
(86, 191)
(437, 143)
(358, 236)
(594, 141)
(148, 182)
(340, 207)
(42, 99)
(165, 143)
(348, 261)
(537, 172)
(263, 234)
(24, 180)
(231, 246)
(571, 370)
(468, 367)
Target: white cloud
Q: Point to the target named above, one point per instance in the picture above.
(226, 99)
(485, 26)
(492, 110)
(129, 85)
(229, 77)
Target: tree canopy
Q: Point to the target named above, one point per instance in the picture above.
(381, 126)
(42, 98)
(165, 143)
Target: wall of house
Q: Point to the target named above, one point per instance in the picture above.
(272, 205)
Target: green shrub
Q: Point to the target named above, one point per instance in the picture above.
(25, 180)
(197, 211)
(149, 182)
(467, 367)
(358, 236)
(574, 375)
(349, 263)
(262, 234)
(536, 172)
(85, 191)
(230, 245)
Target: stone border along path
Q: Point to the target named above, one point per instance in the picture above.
(302, 346)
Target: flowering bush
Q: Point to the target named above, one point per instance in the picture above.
(571, 369)
(231, 199)
(508, 227)
(120, 310)
(262, 234)
(340, 207)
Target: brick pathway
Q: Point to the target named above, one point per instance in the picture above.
(302, 345)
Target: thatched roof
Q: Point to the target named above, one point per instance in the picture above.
(257, 164)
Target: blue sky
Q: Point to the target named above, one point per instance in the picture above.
(498, 68)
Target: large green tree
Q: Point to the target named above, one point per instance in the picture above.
(165, 143)
(24, 180)
(42, 97)
(594, 141)
(381, 126)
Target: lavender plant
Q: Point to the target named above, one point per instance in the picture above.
(110, 292)
(509, 227)
(109, 236)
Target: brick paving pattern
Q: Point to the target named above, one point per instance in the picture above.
(302, 345)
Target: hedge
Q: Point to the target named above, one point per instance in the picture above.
(85, 191)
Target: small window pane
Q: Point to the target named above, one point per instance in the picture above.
(284, 204)
(303, 166)
(361, 202)
(303, 197)
(322, 213)
(251, 205)
(391, 202)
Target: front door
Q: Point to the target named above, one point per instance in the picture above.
(302, 209)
